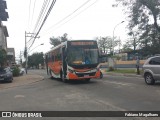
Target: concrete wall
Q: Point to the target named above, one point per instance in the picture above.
(3, 42)
(10, 56)
(123, 64)
(3, 36)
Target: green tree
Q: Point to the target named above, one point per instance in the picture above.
(3, 57)
(144, 16)
(35, 59)
(58, 40)
(127, 47)
(134, 41)
(55, 41)
(64, 37)
(150, 42)
(106, 44)
(141, 11)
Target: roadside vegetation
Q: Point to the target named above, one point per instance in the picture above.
(3, 57)
(15, 71)
(124, 71)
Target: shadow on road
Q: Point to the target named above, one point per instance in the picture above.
(75, 82)
(157, 83)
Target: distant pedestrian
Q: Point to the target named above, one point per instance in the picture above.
(137, 65)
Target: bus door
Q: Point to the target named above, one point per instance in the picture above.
(46, 62)
(64, 64)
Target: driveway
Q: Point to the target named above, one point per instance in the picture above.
(21, 80)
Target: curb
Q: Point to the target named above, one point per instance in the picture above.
(121, 74)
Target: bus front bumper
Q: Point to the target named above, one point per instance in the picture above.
(79, 76)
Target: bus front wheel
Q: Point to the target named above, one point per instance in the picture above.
(62, 77)
(50, 72)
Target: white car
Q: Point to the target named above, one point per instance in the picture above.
(22, 71)
(151, 70)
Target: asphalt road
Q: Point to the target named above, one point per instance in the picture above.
(112, 93)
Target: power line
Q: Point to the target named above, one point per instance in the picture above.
(33, 11)
(29, 12)
(41, 14)
(72, 17)
(70, 14)
(78, 14)
(40, 17)
(50, 8)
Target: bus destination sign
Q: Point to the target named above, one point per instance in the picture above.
(83, 43)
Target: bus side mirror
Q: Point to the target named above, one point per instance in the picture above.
(102, 58)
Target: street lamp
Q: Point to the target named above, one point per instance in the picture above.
(27, 55)
(36, 47)
(113, 36)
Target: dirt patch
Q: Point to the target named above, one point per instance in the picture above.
(21, 80)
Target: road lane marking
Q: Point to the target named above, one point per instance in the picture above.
(19, 96)
(139, 77)
(120, 83)
(109, 104)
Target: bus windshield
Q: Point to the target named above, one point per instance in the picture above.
(82, 56)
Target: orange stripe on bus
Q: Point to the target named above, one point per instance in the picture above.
(72, 76)
(55, 67)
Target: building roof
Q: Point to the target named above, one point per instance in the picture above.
(10, 51)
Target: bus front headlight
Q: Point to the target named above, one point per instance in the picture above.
(97, 69)
(72, 71)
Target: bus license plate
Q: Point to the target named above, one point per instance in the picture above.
(86, 75)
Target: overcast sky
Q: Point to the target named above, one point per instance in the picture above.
(97, 18)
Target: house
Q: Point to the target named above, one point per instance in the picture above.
(3, 36)
(10, 56)
(3, 45)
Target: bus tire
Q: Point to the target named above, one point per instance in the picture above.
(62, 78)
(50, 72)
(101, 75)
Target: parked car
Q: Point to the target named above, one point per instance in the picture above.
(151, 70)
(6, 75)
(22, 71)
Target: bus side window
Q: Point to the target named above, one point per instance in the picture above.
(56, 57)
(52, 57)
(59, 57)
(48, 57)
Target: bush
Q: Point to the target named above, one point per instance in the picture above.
(15, 71)
(111, 69)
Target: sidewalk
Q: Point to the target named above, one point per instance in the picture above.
(21, 80)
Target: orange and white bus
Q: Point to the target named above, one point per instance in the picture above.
(74, 60)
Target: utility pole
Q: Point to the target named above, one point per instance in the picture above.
(113, 36)
(26, 49)
(119, 44)
(20, 58)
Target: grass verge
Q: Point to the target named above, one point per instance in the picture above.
(129, 71)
